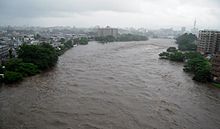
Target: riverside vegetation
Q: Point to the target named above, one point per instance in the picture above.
(32, 59)
(194, 62)
(121, 38)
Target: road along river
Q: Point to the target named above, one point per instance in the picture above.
(111, 86)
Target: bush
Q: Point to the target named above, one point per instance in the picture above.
(177, 56)
(12, 77)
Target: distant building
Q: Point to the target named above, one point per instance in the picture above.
(102, 32)
(165, 33)
(4, 52)
(208, 42)
(183, 30)
(195, 30)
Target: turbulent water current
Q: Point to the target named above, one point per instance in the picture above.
(120, 85)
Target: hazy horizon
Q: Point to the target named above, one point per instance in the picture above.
(151, 14)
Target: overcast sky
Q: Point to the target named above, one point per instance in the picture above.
(150, 14)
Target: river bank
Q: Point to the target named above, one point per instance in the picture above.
(34, 59)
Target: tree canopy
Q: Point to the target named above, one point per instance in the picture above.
(186, 42)
(43, 55)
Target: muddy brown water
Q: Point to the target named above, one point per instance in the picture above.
(111, 86)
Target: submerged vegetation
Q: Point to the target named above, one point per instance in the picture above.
(121, 38)
(132, 37)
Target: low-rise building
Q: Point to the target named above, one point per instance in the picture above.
(102, 32)
(56, 44)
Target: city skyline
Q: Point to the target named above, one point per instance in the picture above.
(151, 14)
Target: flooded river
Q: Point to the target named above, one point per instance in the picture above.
(111, 86)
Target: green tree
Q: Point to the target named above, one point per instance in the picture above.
(186, 42)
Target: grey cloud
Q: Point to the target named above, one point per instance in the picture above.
(35, 8)
(110, 12)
